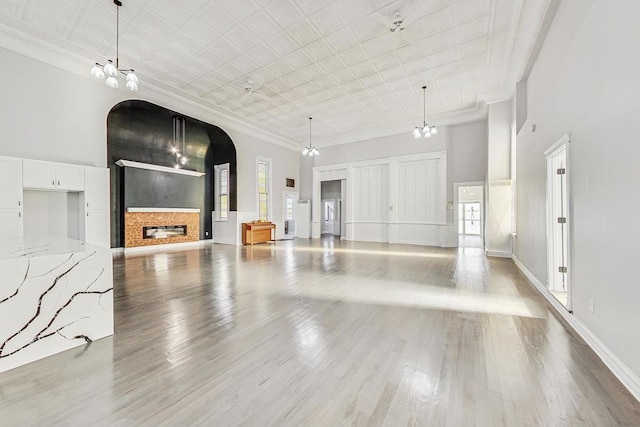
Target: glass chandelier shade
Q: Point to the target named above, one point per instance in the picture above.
(310, 151)
(425, 130)
(111, 70)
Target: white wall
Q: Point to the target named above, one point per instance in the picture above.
(466, 146)
(585, 81)
(51, 114)
(499, 195)
(467, 153)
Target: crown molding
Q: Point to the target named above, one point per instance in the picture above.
(38, 49)
(476, 113)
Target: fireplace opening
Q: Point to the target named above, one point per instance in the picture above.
(163, 231)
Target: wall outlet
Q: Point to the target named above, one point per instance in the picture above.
(206, 233)
(590, 305)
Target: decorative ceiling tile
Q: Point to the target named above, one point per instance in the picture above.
(284, 13)
(332, 64)
(473, 29)
(225, 49)
(327, 19)
(298, 59)
(303, 33)
(211, 59)
(437, 22)
(217, 18)
(443, 57)
(263, 54)
(242, 37)
(312, 72)
(336, 59)
(355, 55)
(11, 8)
(262, 25)
(466, 10)
(282, 44)
(171, 11)
(444, 40)
(319, 50)
(380, 45)
(342, 39)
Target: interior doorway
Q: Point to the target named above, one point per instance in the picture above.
(470, 215)
(331, 208)
(290, 208)
(558, 222)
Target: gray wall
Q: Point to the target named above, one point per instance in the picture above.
(466, 147)
(585, 81)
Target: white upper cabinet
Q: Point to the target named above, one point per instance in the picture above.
(70, 177)
(96, 188)
(10, 183)
(38, 174)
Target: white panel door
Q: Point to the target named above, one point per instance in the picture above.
(370, 193)
(10, 224)
(10, 183)
(70, 177)
(38, 174)
(97, 228)
(420, 191)
(96, 188)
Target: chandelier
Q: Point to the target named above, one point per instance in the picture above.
(427, 130)
(179, 136)
(310, 151)
(111, 70)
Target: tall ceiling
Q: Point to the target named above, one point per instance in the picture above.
(274, 63)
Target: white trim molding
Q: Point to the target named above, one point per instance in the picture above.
(160, 210)
(608, 357)
(148, 166)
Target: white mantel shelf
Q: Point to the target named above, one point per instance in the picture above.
(172, 210)
(148, 166)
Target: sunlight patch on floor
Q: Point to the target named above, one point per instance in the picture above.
(332, 250)
(404, 294)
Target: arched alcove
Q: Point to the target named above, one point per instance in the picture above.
(143, 132)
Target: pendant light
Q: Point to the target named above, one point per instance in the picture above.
(111, 70)
(179, 138)
(427, 131)
(310, 151)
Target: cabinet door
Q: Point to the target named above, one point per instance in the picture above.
(96, 188)
(97, 228)
(10, 224)
(10, 183)
(69, 177)
(38, 174)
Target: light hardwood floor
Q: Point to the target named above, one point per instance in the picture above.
(322, 333)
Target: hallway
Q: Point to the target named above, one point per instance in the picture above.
(322, 332)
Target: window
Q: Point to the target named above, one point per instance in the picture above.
(289, 208)
(264, 173)
(222, 191)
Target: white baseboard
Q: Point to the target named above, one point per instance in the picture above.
(613, 362)
(153, 248)
(499, 254)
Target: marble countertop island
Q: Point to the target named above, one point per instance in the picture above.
(55, 294)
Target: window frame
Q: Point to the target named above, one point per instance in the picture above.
(268, 188)
(218, 170)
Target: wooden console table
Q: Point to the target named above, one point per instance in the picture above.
(258, 232)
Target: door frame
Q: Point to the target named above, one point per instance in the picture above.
(562, 144)
(296, 197)
(456, 202)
